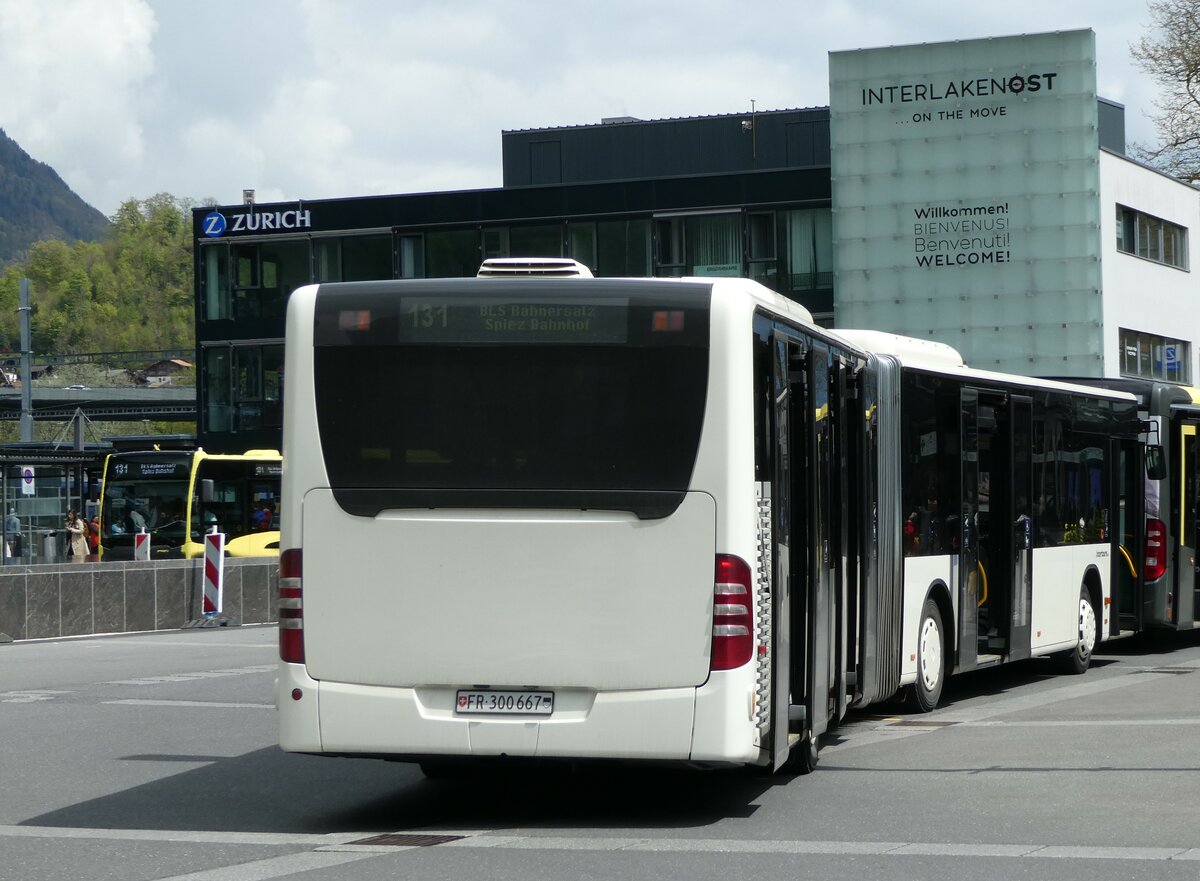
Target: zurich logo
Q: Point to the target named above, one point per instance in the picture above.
(214, 224)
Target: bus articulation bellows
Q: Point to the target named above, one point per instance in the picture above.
(661, 519)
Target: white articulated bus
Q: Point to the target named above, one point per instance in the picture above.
(658, 519)
(1013, 492)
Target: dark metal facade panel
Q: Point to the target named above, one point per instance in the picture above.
(557, 202)
(1111, 119)
(673, 147)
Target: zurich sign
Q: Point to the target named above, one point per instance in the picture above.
(214, 224)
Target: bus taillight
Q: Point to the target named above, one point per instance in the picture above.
(1156, 550)
(291, 607)
(733, 626)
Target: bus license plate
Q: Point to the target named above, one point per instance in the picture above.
(508, 703)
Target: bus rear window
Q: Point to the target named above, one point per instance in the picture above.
(512, 394)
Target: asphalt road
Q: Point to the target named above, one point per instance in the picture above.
(153, 756)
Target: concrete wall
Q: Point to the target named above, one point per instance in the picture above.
(75, 599)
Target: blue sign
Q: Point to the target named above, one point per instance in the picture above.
(214, 224)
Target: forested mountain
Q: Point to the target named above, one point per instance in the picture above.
(35, 204)
(130, 290)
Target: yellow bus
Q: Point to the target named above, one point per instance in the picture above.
(179, 495)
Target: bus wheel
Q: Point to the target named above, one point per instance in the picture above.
(802, 759)
(924, 695)
(1079, 659)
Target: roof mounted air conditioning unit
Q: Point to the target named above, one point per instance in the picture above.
(549, 267)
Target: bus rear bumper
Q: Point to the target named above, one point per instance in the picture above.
(344, 719)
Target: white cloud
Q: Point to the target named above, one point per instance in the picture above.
(316, 99)
(74, 71)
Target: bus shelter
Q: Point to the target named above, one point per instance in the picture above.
(39, 483)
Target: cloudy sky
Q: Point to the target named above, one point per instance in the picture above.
(327, 98)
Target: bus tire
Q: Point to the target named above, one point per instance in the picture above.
(802, 759)
(925, 693)
(1079, 658)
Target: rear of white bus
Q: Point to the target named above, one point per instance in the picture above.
(495, 539)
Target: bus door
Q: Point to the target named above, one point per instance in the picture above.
(994, 567)
(845, 552)
(1128, 539)
(788, 523)
(1186, 485)
(801, 549)
(819, 627)
(1020, 506)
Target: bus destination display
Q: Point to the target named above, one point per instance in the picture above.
(443, 321)
(135, 470)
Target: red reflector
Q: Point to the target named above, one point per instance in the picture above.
(354, 319)
(291, 607)
(1155, 566)
(670, 320)
(733, 620)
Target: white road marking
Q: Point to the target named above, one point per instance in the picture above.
(870, 848)
(1075, 723)
(197, 675)
(276, 867)
(334, 844)
(30, 696)
(183, 835)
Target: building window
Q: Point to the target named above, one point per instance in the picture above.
(1154, 357)
(808, 249)
(703, 244)
(495, 242)
(1151, 238)
(760, 236)
(522, 241)
(452, 253)
(244, 281)
(581, 243)
(214, 284)
(412, 257)
(243, 387)
(353, 258)
(668, 247)
(535, 241)
(623, 248)
(714, 245)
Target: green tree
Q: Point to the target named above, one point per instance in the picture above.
(133, 290)
(1171, 55)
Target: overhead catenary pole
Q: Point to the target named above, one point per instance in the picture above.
(26, 365)
(78, 420)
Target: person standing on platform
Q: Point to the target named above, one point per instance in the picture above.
(12, 529)
(77, 546)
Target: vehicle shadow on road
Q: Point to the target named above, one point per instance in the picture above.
(1152, 642)
(271, 791)
(997, 681)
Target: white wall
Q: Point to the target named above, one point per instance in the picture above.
(1140, 294)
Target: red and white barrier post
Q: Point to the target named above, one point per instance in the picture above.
(214, 573)
(141, 546)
